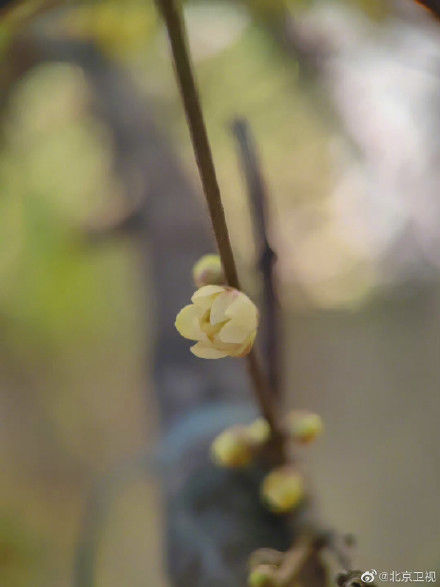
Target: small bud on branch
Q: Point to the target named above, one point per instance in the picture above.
(208, 271)
(303, 426)
(283, 489)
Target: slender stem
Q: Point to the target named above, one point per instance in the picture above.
(258, 198)
(199, 135)
(262, 391)
(341, 547)
(296, 559)
(202, 149)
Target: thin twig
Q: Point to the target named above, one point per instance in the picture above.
(259, 200)
(341, 547)
(262, 392)
(202, 149)
(199, 135)
(296, 559)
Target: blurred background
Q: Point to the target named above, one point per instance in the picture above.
(344, 101)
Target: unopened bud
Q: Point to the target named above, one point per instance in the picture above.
(283, 489)
(232, 449)
(304, 426)
(263, 576)
(259, 431)
(208, 271)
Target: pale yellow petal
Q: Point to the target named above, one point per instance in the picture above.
(207, 352)
(243, 350)
(244, 312)
(207, 290)
(220, 304)
(204, 296)
(187, 323)
(232, 332)
(227, 347)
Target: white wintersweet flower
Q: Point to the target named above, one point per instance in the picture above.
(222, 320)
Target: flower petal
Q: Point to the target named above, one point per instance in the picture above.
(187, 323)
(207, 352)
(220, 304)
(245, 348)
(233, 332)
(204, 296)
(207, 290)
(244, 312)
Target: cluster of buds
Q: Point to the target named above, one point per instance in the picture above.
(223, 322)
(282, 489)
(236, 447)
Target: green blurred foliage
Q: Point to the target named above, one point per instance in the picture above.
(121, 29)
(124, 28)
(55, 171)
(21, 552)
(73, 343)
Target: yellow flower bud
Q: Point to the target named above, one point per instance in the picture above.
(263, 576)
(208, 271)
(283, 489)
(258, 431)
(232, 449)
(304, 426)
(222, 320)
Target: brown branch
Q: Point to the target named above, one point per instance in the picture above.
(341, 547)
(296, 559)
(202, 149)
(199, 136)
(291, 565)
(267, 258)
(433, 5)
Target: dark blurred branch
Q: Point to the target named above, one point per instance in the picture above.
(25, 13)
(296, 559)
(341, 546)
(306, 49)
(127, 223)
(307, 548)
(433, 5)
(202, 149)
(259, 205)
